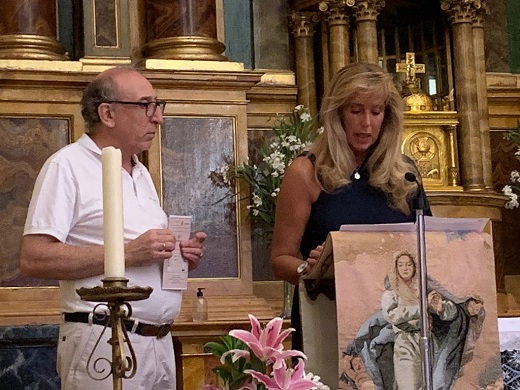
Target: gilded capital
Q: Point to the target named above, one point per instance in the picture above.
(480, 15)
(462, 11)
(302, 23)
(336, 12)
(366, 9)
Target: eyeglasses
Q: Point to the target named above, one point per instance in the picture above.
(150, 107)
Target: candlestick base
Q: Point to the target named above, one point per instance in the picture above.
(117, 295)
(114, 289)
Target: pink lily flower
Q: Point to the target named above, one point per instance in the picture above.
(237, 354)
(278, 357)
(285, 379)
(249, 386)
(267, 343)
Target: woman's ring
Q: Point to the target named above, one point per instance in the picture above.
(164, 246)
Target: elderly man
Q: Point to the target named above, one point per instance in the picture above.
(63, 237)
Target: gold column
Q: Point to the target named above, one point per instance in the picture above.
(480, 65)
(339, 45)
(302, 25)
(365, 13)
(182, 30)
(461, 14)
(28, 30)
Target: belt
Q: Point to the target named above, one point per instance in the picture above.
(137, 327)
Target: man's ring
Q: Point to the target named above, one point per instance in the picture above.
(200, 254)
(164, 246)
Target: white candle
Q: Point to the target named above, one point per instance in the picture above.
(113, 213)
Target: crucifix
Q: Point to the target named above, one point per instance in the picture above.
(410, 68)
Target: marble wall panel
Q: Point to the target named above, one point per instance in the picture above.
(513, 28)
(26, 144)
(496, 38)
(105, 16)
(271, 35)
(28, 357)
(191, 148)
(238, 31)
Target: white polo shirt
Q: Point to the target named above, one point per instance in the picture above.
(67, 203)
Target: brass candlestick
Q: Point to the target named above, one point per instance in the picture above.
(117, 294)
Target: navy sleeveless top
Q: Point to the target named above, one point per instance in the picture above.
(355, 203)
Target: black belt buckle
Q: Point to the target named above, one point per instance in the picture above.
(154, 331)
(164, 330)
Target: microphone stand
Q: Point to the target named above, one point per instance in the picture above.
(418, 206)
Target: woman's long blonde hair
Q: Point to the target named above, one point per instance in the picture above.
(335, 161)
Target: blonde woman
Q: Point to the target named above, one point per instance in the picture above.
(353, 174)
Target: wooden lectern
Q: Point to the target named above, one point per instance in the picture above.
(366, 336)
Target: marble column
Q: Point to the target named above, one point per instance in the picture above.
(461, 14)
(28, 30)
(302, 26)
(339, 45)
(365, 13)
(182, 30)
(480, 65)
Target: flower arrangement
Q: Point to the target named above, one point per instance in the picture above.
(257, 360)
(509, 190)
(292, 134)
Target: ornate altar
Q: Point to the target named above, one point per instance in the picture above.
(430, 140)
(430, 137)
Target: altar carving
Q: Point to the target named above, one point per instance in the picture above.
(430, 140)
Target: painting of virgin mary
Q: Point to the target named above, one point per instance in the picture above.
(380, 322)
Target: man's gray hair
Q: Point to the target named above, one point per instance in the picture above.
(99, 90)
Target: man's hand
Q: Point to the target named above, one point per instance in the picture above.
(150, 247)
(192, 250)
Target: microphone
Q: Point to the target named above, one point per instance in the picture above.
(418, 200)
(418, 204)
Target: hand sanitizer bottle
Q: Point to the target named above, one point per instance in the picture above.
(200, 307)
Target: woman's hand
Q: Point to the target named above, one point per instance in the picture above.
(314, 256)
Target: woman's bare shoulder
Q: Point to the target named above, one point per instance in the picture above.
(300, 174)
(301, 166)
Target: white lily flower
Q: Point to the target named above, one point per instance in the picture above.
(507, 190)
(305, 117)
(292, 134)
